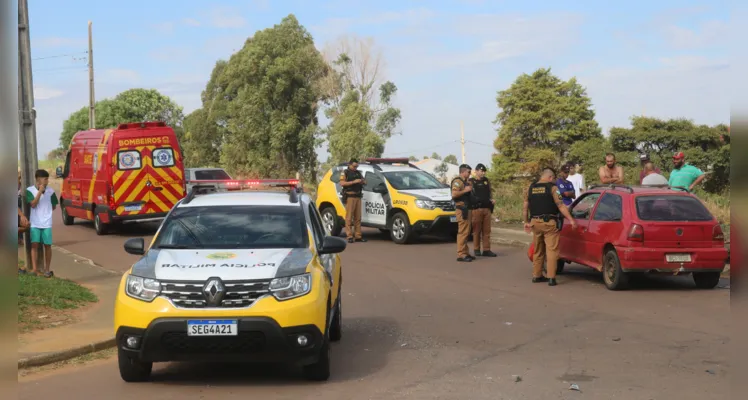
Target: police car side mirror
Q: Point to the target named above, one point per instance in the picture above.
(332, 245)
(58, 172)
(381, 189)
(135, 246)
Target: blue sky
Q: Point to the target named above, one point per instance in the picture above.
(449, 58)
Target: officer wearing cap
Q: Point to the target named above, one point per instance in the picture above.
(541, 213)
(461, 193)
(482, 206)
(353, 184)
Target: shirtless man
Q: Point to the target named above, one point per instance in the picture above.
(610, 172)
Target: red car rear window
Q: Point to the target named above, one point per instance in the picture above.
(671, 208)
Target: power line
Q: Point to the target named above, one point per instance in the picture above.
(479, 143)
(59, 56)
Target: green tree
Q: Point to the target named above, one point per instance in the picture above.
(260, 106)
(436, 156)
(451, 159)
(440, 171)
(706, 147)
(541, 117)
(133, 105)
(358, 103)
(412, 158)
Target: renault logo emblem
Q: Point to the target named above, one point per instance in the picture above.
(214, 291)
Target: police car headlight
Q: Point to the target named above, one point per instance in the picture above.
(291, 287)
(425, 204)
(145, 289)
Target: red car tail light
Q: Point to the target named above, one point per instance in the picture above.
(717, 234)
(636, 233)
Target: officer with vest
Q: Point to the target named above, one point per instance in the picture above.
(542, 212)
(461, 193)
(353, 183)
(482, 210)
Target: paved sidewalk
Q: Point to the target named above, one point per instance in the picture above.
(96, 323)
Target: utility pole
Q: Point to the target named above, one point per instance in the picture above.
(27, 116)
(462, 141)
(91, 97)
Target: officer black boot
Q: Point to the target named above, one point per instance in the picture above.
(488, 253)
(552, 282)
(539, 279)
(362, 240)
(465, 259)
(478, 253)
(350, 240)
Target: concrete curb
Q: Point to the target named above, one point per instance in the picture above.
(64, 355)
(510, 242)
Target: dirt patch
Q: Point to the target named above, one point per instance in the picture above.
(38, 317)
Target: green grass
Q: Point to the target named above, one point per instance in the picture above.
(55, 293)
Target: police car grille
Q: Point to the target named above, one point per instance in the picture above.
(238, 293)
(445, 205)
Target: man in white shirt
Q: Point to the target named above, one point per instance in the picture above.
(576, 178)
(651, 177)
(43, 202)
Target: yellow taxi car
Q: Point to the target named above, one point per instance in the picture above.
(398, 198)
(233, 276)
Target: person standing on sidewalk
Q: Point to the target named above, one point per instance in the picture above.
(43, 202)
(461, 189)
(353, 184)
(542, 206)
(482, 210)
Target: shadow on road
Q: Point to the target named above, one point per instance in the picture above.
(364, 350)
(640, 282)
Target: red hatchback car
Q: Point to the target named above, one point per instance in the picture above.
(624, 230)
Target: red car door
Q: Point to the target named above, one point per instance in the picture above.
(572, 241)
(606, 226)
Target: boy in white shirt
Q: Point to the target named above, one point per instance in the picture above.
(43, 201)
(576, 179)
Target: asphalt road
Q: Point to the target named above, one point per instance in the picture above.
(418, 325)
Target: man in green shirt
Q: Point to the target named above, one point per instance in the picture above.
(684, 175)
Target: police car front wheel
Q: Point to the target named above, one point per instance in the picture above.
(400, 229)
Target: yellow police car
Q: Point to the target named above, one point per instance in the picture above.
(398, 198)
(233, 276)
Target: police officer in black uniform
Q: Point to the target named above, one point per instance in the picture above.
(545, 206)
(482, 206)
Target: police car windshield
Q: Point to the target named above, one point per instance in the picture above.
(234, 227)
(412, 180)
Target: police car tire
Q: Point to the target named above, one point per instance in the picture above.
(612, 265)
(329, 212)
(336, 328)
(131, 370)
(320, 370)
(407, 232)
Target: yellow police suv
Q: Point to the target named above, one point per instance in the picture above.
(239, 275)
(398, 198)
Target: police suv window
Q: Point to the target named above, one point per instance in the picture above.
(163, 157)
(584, 206)
(128, 159)
(610, 208)
(335, 176)
(372, 180)
(319, 232)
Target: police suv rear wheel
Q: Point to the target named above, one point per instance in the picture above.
(331, 221)
(132, 370)
(400, 230)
